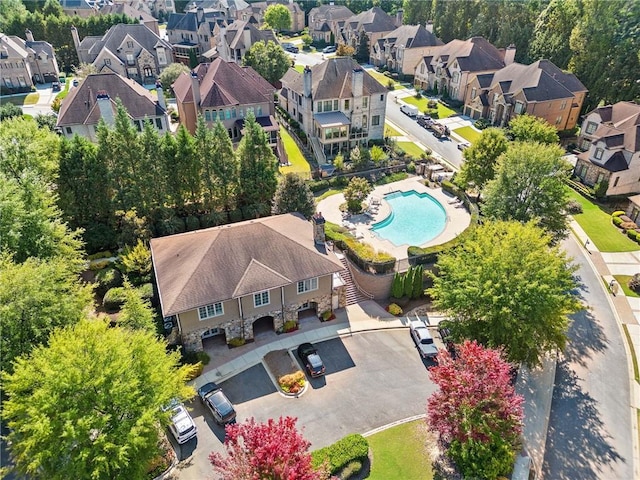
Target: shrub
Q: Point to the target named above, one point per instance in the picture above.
(432, 104)
(235, 215)
(574, 207)
(627, 225)
(337, 456)
(95, 256)
(397, 287)
(107, 279)
(146, 291)
(617, 213)
(632, 234)
(293, 382)
(418, 95)
(352, 469)
(318, 185)
(99, 265)
(390, 84)
(195, 357)
(339, 181)
(290, 326)
(617, 221)
(395, 309)
(326, 315)
(634, 283)
(237, 342)
(192, 223)
(411, 168)
(481, 124)
(113, 299)
(600, 189)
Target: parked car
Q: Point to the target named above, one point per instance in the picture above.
(424, 121)
(290, 47)
(329, 49)
(410, 110)
(422, 338)
(55, 86)
(312, 361)
(212, 396)
(182, 426)
(75, 82)
(463, 145)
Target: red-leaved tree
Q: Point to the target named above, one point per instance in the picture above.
(476, 411)
(274, 450)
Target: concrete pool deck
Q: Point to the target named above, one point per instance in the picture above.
(458, 219)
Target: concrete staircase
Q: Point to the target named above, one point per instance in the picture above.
(353, 294)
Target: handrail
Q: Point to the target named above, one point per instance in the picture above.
(360, 289)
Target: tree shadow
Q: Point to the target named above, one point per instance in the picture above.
(586, 337)
(580, 447)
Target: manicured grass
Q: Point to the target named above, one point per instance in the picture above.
(634, 359)
(623, 281)
(399, 452)
(298, 163)
(383, 79)
(469, 133)
(32, 98)
(389, 131)
(411, 149)
(299, 68)
(597, 225)
(421, 103)
(64, 92)
(328, 193)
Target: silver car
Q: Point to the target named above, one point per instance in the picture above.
(182, 426)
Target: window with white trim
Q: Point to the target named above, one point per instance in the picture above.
(591, 127)
(308, 285)
(210, 311)
(261, 298)
(599, 152)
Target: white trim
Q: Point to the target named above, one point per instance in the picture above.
(304, 283)
(210, 311)
(261, 294)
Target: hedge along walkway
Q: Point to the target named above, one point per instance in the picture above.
(298, 163)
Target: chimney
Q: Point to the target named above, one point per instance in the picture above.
(106, 110)
(195, 87)
(318, 229)
(246, 37)
(429, 26)
(161, 102)
(357, 81)
(28, 35)
(509, 54)
(399, 17)
(76, 38)
(200, 15)
(306, 81)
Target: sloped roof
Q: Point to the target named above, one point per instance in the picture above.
(236, 39)
(473, 55)
(113, 38)
(330, 12)
(80, 106)
(226, 4)
(13, 48)
(216, 264)
(412, 36)
(224, 84)
(622, 118)
(332, 79)
(373, 20)
(128, 10)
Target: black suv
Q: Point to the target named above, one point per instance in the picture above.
(218, 404)
(311, 360)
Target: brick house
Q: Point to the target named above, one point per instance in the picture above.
(326, 20)
(227, 280)
(254, 13)
(23, 63)
(402, 49)
(233, 41)
(375, 23)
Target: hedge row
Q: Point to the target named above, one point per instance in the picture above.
(337, 456)
(362, 254)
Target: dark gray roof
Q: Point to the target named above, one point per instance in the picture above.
(484, 79)
(236, 39)
(116, 34)
(412, 36)
(40, 46)
(473, 55)
(373, 20)
(330, 12)
(80, 107)
(128, 10)
(616, 162)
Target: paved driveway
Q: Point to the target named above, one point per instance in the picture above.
(372, 379)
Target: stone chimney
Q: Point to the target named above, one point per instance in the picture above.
(306, 81)
(318, 229)
(106, 109)
(161, 102)
(399, 17)
(246, 37)
(28, 35)
(195, 87)
(357, 82)
(200, 15)
(509, 54)
(76, 38)
(429, 26)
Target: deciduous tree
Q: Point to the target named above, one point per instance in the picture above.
(136, 313)
(88, 404)
(268, 59)
(274, 450)
(527, 128)
(171, 73)
(480, 158)
(529, 186)
(552, 32)
(345, 50)
(277, 17)
(476, 411)
(505, 286)
(356, 192)
(293, 195)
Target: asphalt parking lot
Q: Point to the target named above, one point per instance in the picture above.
(371, 379)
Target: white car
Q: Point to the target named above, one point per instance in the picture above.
(463, 145)
(182, 426)
(422, 338)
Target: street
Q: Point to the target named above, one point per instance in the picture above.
(589, 436)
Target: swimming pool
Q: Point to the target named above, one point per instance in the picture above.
(415, 219)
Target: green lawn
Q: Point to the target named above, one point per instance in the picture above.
(411, 149)
(383, 79)
(399, 452)
(298, 163)
(65, 92)
(443, 111)
(389, 131)
(469, 133)
(623, 280)
(597, 225)
(32, 98)
(299, 68)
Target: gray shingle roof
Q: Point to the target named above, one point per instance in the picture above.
(235, 34)
(80, 107)
(412, 36)
(113, 38)
(620, 118)
(330, 12)
(128, 10)
(473, 55)
(373, 20)
(216, 264)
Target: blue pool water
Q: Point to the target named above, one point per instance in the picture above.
(415, 219)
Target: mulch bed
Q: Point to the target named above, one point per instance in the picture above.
(279, 363)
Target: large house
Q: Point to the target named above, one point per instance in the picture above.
(227, 280)
(230, 8)
(95, 99)
(128, 9)
(232, 42)
(540, 89)
(254, 13)
(24, 63)
(374, 23)
(132, 51)
(326, 20)
(337, 103)
(226, 92)
(449, 68)
(610, 136)
(191, 34)
(401, 50)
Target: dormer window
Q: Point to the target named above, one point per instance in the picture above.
(598, 154)
(591, 127)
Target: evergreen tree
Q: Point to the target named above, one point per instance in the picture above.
(154, 189)
(203, 143)
(397, 287)
(169, 148)
(418, 282)
(363, 53)
(187, 166)
(293, 195)
(224, 168)
(408, 282)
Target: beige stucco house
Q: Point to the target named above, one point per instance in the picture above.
(402, 49)
(325, 20)
(224, 280)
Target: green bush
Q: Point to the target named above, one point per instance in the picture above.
(397, 287)
(235, 215)
(339, 182)
(634, 283)
(394, 309)
(632, 234)
(618, 213)
(106, 279)
(237, 342)
(113, 299)
(318, 185)
(194, 358)
(481, 124)
(99, 265)
(146, 291)
(290, 326)
(432, 104)
(337, 456)
(352, 469)
(411, 168)
(617, 221)
(600, 189)
(574, 207)
(192, 223)
(95, 256)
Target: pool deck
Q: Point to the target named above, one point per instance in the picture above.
(458, 219)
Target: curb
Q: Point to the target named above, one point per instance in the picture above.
(394, 424)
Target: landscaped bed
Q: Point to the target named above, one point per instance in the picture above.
(623, 280)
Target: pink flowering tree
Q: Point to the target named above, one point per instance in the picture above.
(476, 411)
(274, 450)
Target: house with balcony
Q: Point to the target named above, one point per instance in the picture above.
(224, 91)
(254, 13)
(540, 89)
(231, 280)
(23, 63)
(610, 138)
(374, 23)
(325, 20)
(401, 50)
(95, 99)
(449, 68)
(132, 51)
(191, 34)
(337, 103)
(233, 41)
